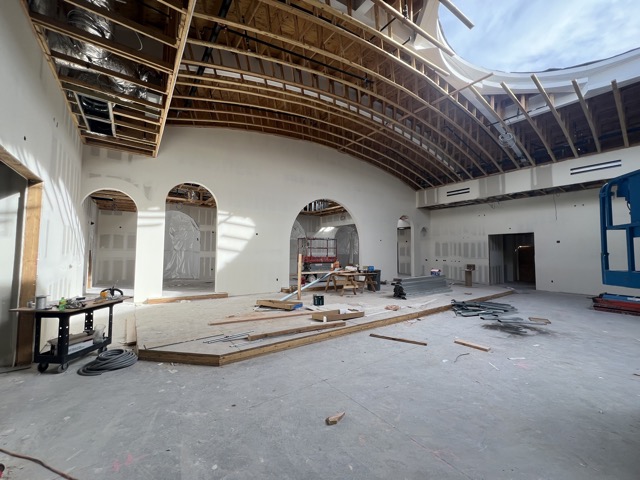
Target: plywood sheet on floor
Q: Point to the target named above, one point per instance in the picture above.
(182, 327)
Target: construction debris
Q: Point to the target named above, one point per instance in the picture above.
(394, 308)
(333, 419)
(280, 304)
(395, 339)
(472, 309)
(415, 286)
(472, 345)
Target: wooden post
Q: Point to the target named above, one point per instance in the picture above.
(299, 276)
(24, 341)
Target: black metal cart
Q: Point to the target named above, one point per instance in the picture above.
(59, 353)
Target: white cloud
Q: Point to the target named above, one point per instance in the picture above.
(535, 35)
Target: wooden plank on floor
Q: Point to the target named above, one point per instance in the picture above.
(472, 345)
(179, 357)
(290, 331)
(334, 315)
(256, 318)
(206, 296)
(396, 339)
(283, 305)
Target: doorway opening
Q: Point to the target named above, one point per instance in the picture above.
(512, 259)
(404, 250)
(110, 255)
(191, 218)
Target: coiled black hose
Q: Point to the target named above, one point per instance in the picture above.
(110, 360)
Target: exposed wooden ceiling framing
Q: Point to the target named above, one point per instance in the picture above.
(313, 71)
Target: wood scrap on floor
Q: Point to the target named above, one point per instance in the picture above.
(333, 419)
(290, 331)
(472, 345)
(256, 318)
(395, 339)
(279, 304)
(334, 315)
(542, 321)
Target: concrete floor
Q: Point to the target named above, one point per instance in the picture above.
(557, 403)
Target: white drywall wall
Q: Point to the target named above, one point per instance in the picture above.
(566, 231)
(36, 129)
(261, 183)
(114, 262)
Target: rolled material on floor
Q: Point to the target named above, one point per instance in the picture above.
(414, 286)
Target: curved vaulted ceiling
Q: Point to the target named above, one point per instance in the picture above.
(352, 75)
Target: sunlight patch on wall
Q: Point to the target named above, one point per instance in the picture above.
(234, 233)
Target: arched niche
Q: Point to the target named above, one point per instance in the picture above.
(111, 239)
(323, 232)
(191, 217)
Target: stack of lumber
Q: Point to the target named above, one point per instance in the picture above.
(404, 287)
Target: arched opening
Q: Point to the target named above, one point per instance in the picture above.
(323, 232)
(111, 240)
(191, 215)
(405, 258)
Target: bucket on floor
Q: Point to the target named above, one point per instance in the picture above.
(318, 300)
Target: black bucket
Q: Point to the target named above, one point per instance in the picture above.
(318, 300)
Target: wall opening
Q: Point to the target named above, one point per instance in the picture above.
(404, 250)
(323, 232)
(110, 255)
(191, 218)
(512, 259)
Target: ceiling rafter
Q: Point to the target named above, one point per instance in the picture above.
(555, 114)
(620, 109)
(531, 121)
(587, 115)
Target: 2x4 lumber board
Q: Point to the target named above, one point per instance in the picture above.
(412, 26)
(472, 345)
(125, 22)
(257, 318)
(587, 114)
(183, 34)
(334, 315)
(206, 296)
(29, 270)
(62, 28)
(396, 339)
(555, 113)
(449, 96)
(291, 331)
(531, 121)
(117, 141)
(621, 116)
